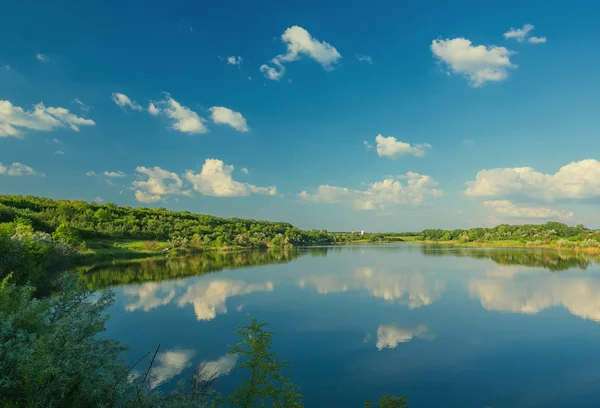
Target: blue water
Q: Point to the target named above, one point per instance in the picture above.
(445, 328)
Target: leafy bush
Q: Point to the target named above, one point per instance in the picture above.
(31, 256)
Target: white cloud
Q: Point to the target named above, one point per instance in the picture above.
(55, 140)
(153, 109)
(234, 60)
(150, 295)
(519, 34)
(300, 43)
(209, 298)
(168, 365)
(368, 145)
(215, 180)
(479, 64)
(99, 199)
(160, 183)
(59, 152)
(388, 336)
(413, 289)
(576, 180)
(507, 208)
(123, 101)
(183, 118)
(531, 291)
(42, 57)
(114, 174)
(537, 40)
(221, 115)
(210, 370)
(364, 58)
(83, 106)
(390, 147)
(244, 170)
(17, 169)
(13, 119)
(379, 195)
(91, 173)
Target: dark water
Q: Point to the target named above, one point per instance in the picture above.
(445, 327)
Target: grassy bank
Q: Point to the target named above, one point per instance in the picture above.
(516, 244)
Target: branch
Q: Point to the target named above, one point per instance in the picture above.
(139, 389)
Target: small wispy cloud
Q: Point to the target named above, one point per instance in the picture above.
(523, 33)
(364, 58)
(42, 57)
(82, 106)
(233, 60)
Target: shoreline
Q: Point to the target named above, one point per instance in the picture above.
(109, 251)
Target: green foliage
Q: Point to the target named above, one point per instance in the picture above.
(74, 221)
(552, 260)
(64, 233)
(156, 270)
(31, 256)
(266, 385)
(536, 234)
(49, 352)
(389, 402)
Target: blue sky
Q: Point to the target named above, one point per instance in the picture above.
(453, 90)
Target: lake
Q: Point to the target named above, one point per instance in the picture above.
(446, 327)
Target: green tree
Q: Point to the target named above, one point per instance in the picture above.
(266, 385)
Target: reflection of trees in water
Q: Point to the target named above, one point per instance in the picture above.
(549, 259)
(172, 268)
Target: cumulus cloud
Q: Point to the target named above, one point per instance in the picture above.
(244, 170)
(153, 109)
(17, 170)
(114, 174)
(209, 297)
(182, 118)
(149, 295)
(123, 101)
(531, 291)
(221, 115)
(479, 64)
(168, 365)
(233, 60)
(42, 57)
(522, 34)
(159, 183)
(380, 195)
(300, 43)
(215, 179)
(210, 370)
(391, 147)
(13, 119)
(414, 289)
(364, 58)
(60, 152)
(576, 180)
(388, 336)
(507, 208)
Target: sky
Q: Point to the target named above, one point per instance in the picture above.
(378, 116)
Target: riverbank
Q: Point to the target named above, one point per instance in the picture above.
(107, 249)
(562, 245)
(102, 250)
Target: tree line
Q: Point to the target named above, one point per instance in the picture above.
(77, 221)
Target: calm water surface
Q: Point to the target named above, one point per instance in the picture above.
(446, 327)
